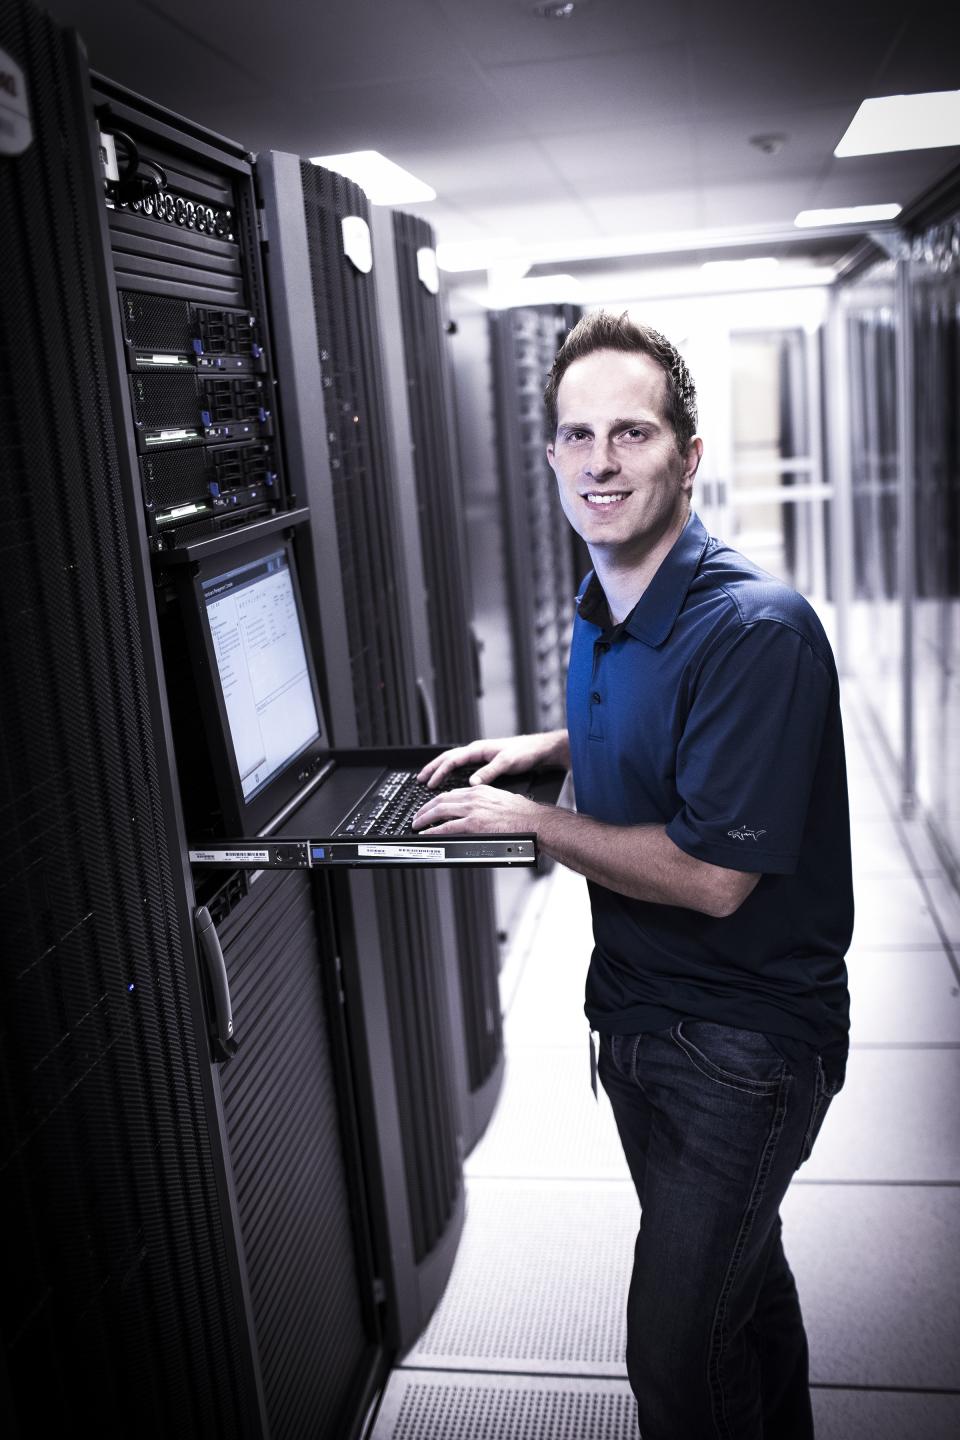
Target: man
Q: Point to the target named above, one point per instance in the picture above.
(712, 825)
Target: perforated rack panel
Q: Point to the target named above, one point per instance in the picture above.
(539, 542)
(441, 513)
(293, 1161)
(382, 674)
(117, 1312)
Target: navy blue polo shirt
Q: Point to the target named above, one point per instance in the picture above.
(713, 709)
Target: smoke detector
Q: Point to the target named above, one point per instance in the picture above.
(557, 9)
(768, 144)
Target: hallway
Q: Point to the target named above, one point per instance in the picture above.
(527, 1341)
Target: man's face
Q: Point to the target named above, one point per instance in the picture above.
(623, 483)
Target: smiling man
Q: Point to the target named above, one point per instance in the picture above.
(704, 735)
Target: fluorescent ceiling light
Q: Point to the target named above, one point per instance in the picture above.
(903, 122)
(847, 215)
(384, 182)
(456, 255)
(540, 290)
(754, 267)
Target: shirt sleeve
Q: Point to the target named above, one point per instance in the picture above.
(749, 750)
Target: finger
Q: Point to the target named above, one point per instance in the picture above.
(441, 766)
(489, 772)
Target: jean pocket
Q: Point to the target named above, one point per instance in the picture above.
(742, 1060)
(823, 1092)
(623, 1053)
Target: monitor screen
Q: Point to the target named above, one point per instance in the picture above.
(265, 681)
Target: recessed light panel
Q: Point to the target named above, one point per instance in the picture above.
(847, 215)
(903, 122)
(384, 182)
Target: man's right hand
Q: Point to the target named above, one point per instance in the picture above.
(506, 756)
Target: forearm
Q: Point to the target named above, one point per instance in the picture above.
(641, 861)
(556, 748)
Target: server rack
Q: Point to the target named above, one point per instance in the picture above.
(428, 484)
(182, 1234)
(325, 303)
(542, 556)
(122, 1311)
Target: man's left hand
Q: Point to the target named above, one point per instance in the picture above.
(480, 809)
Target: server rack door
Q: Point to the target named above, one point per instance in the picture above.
(438, 505)
(122, 1313)
(540, 549)
(306, 207)
(295, 1160)
(198, 1345)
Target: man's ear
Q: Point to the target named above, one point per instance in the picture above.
(691, 460)
(550, 455)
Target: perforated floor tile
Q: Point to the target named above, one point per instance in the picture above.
(903, 997)
(539, 1283)
(876, 1269)
(548, 1124)
(422, 1406)
(895, 1119)
(879, 1415)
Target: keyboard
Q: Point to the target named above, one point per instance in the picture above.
(391, 807)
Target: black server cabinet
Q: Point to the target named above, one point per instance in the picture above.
(324, 303)
(121, 1305)
(189, 1254)
(418, 386)
(542, 554)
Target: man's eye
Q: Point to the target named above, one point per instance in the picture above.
(635, 433)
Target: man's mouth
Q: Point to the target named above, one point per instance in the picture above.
(605, 497)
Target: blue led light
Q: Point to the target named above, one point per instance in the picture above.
(131, 987)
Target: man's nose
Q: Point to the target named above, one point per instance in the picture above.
(602, 461)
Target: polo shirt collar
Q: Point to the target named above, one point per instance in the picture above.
(655, 613)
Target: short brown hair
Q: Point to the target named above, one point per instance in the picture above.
(603, 331)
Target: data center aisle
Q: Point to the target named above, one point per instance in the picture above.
(527, 1341)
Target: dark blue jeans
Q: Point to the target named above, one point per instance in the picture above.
(714, 1122)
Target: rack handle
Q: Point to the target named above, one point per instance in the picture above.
(221, 1026)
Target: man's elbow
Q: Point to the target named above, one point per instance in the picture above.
(727, 892)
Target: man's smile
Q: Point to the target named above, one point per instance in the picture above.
(605, 497)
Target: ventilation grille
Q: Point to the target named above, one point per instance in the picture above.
(540, 1282)
(417, 1003)
(540, 546)
(281, 1107)
(117, 1317)
(465, 1407)
(441, 511)
(365, 507)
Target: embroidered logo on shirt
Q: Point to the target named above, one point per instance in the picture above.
(743, 832)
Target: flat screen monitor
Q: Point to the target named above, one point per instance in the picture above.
(268, 729)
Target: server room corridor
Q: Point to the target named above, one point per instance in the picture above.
(527, 1342)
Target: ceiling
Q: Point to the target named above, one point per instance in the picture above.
(628, 117)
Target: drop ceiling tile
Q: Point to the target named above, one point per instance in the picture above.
(774, 203)
(883, 179)
(596, 93)
(658, 210)
(499, 31)
(482, 174)
(627, 159)
(784, 56)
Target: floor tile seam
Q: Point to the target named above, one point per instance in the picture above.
(618, 1378)
(884, 1389)
(879, 739)
(513, 1180)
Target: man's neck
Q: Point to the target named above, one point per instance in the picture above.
(624, 578)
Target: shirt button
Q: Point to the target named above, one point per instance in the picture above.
(595, 697)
